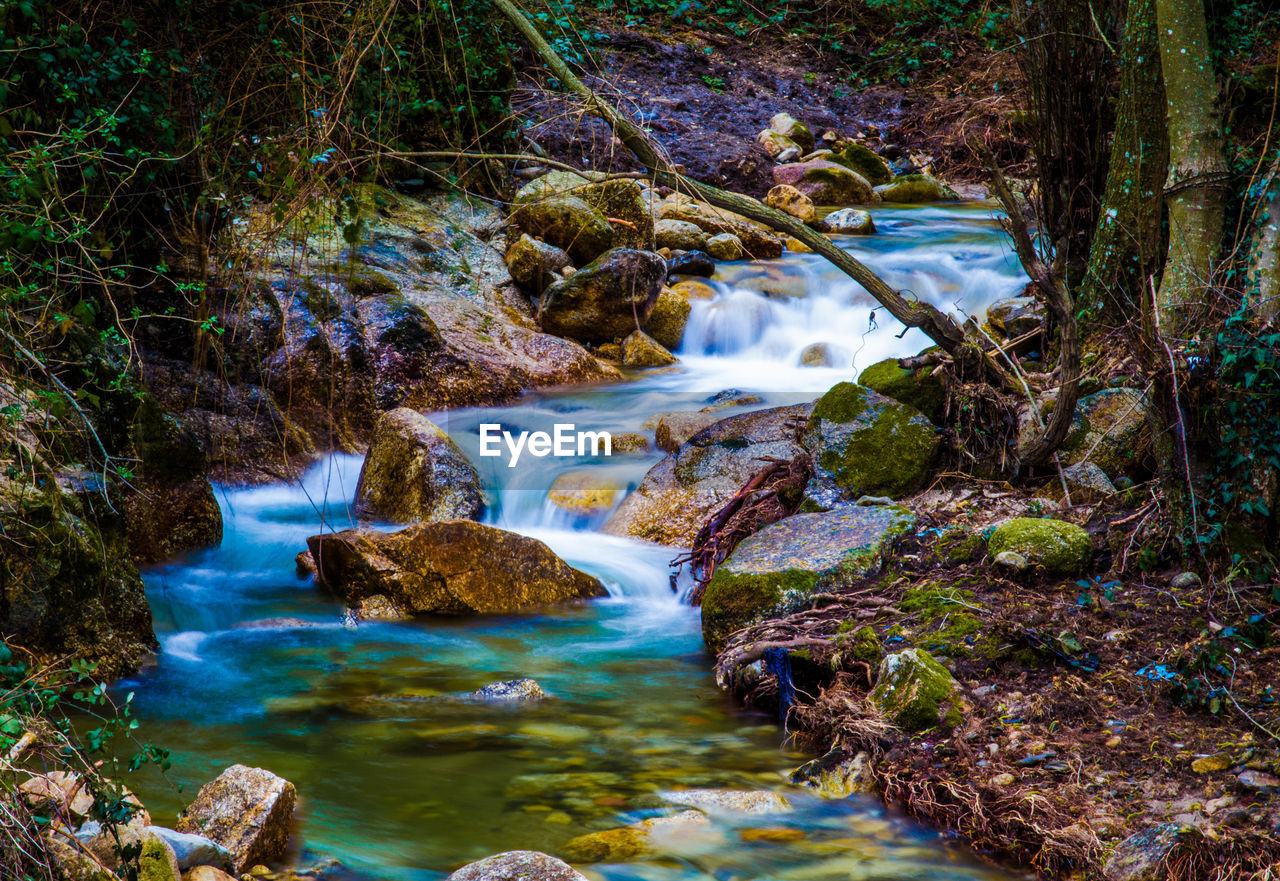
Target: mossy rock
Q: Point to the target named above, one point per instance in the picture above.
(1119, 439)
(921, 388)
(915, 188)
(669, 316)
(775, 571)
(157, 862)
(917, 693)
(863, 160)
(604, 300)
(789, 127)
(849, 222)
(568, 222)
(826, 183)
(1060, 548)
(861, 644)
(639, 351)
(864, 443)
(415, 472)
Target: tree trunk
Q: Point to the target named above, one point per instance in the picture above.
(1125, 251)
(1196, 187)
(1264, 265)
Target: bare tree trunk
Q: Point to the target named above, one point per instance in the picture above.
(1264, 265)
(1125, 251)
(1196, 186)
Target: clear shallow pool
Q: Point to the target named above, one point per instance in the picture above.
(398, 779)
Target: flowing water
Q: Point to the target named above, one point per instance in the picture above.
(399, 779)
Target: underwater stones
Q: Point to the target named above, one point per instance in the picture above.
(921, 388)
(510, 691)
(826, 183)
(680, 492)
(725, 246)
(789, 200)
(916, 692)
(518, 865)
(835, 775)
(917, 188)
(567, 222)
(1058, 547)
(863, 160)
(636, 840)
(679, 235)
(415, 472)
(1144, 855)
(453, 567)
(775, 571)
(669, 316)
(535, 264)
(1118, 439)
(789, 127)
(848, 221)
(864, 443)
(604, 300)
(1016, 316)
(728, 801)
(246, 810)
(640, 350)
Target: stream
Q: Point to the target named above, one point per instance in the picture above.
(396, 780)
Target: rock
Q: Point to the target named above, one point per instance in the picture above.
(695, 289)
(207, 873)
(775, 571)
(1145, 855)
(789, 200)
(728, 801)
(636, 840)
(303, 564)
(378, 608)
(921, 388)
(452, 567)
(725, 246)
(1012, 560)
(157, 861)
(760, 243)
(1212, 764)
(58, 793)
(567, 222)
(1258, 781)
(511, 690)
(553, 183)
(535, 264)
(249, 811)
(849, 221)
(1016, 316)
(691, 263)
(680, 492)
(826, 183)
(796, 246)
(675, 428)
(863, 160)
(679, 235)
(817, 355)
(74, 863)
(414, 472)
(1185, 581)
(916, 692)
(618, 199)
(1060, 548)
(864, 443)
(605, 299)
(1118, 439)
(775, 144)
(669, 316)
(518, 865)
(630, 442)
(1086, 482)
(1005, 779)
(789, 127)
(641, 350)
(835, 775)
(193, 850)
(917, 188)
(586, 492)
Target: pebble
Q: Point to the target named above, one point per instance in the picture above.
(1185, 581)
(1005, 779)
(1259, 781)
(1210, 764)
(1012, 560)
(1113, 741)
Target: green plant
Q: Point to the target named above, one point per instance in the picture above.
(715, 83)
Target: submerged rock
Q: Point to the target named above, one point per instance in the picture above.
(1060, 548)
(518, 865)
(511, 690)
(453, 567)
(607, 299)
(916, 692)
(638, 839)
(728, 801)
(826, 183)
(917, 188)
(775, 571)
(587, 492)
(415, 472)
(248, 811)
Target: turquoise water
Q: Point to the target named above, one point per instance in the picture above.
(397, 779)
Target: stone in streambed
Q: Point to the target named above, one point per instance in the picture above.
(789, 200)
(586, 492)
(915, 692)
(835, 775)
(193, 850)
(679, 235)
(669, 316)
(206, 873)
(639, 350)
(414, 472)
(569, 223)
(535, 264)
(248, 811)
(453, 567)
(606, 299)
(728, 801)
(725, 246)
(509, 691)
(849, 222)
(912, 188)
(518, 865)
(760, 243)
(640, 839)
(1058, 547)
(691, 263)
(826, 183)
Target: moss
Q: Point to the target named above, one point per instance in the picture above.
(917, 188)
(365, 282)
(843, 402)
(1059, 547)
(958, 545)
(893, 455)
(916, 692)
(914, 388)
(156, 862)
(858, 643)
(949, 625)
(864, 161)
(734, 600)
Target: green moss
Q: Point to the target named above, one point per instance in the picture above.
(893, 455)
(1059, 547)
(917, 188)
(864, 161)
(916, 692)
(858, 643)
(958, 545)
(734, 600)
(156, 861)
(911, 387)
(843, 402)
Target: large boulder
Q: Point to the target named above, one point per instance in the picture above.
(915, 692)
(1118, 436)
(916, 188)
(518, 865)
(454, 567)
(921, 388)
(157, 861)
(414, 471)
(567, 222)
(193, 850)
(826, 183)
(249, 811)
(863, 160)
(777, 570)
(604, 300)
(680, 492)
(864, 443)
(1056, 546)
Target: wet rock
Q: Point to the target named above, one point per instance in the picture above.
(695, 289)
(775, 571)
(636, 840)
(676, 428)
(585, 492)
(303, 564)
(680, 492)
(157, 861)
(453, 567)
(535, 264)
(567, 222)
(640, 350)
(863, 160)
(728, 801)
(248, 811)
(725, 246)
(817, 355)
(864, 443)
(378, 608)
(1145, 855)
(789, 127)
(509, 691)
(1058, 547)
(760, 243)
(835, 775)
(916, 692)
(518, 865)
(206, 873)
(1016, 316)
(921, 388)
(775, 144)
(679, 235)
(789, 200)
(193, 850)
(917, 188)
(1118, 439)
(414, 472)
(691, 263)
(669, 316)
(826, 183)
(849, 221)
(604, 300)
(626, 205)
(630, 442)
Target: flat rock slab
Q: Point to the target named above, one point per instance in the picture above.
(518, 865)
